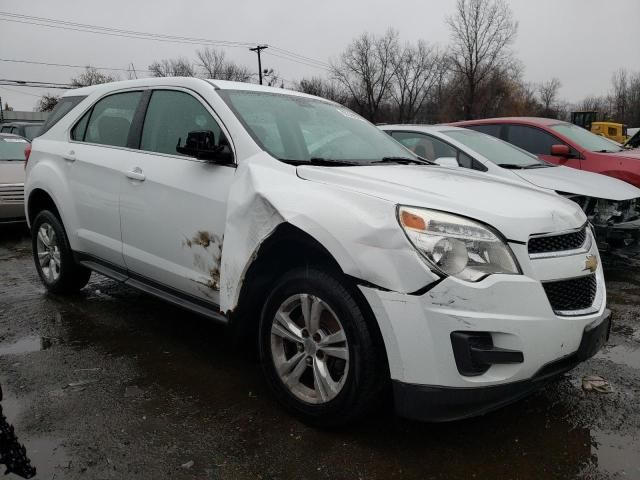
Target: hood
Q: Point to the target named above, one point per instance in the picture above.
(11, 171)
(632, 154)
(571, 180)
(512, 207)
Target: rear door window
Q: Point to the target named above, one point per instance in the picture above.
(493, 129)
(531, 139)
(111, 119)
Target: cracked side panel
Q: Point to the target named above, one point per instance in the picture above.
(358, 230)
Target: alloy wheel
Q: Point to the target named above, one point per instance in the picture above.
(309, 349)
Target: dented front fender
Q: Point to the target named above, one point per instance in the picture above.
(360, 231)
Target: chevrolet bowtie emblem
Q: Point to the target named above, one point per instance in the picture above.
(591, 263)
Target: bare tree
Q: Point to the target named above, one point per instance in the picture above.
(324, 88)
(47, 103)
(619, 94)
(481, 33)
(214, 65)
(416, 70)
(367, 69)
(548, 94)
(91, 76)
(172, 67)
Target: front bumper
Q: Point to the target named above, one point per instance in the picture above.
(438, 404)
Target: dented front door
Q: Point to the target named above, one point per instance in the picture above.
(173, 207)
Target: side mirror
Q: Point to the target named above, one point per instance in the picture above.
(560, 151)
(201, 144)
(447, 161)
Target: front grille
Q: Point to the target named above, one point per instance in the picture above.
(573, 294)
(11, 193)
(558, 243)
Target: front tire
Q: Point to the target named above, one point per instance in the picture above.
(53, 256)
(318, 352)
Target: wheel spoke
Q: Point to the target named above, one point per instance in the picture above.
(294, 377)
(56, 258)
(337, 352)
(281, 331)
(338, 337)
(43, 258)
(311, 310)
(51, 235)
(42, 236)
(322, 381)
(50, 272)
(289, 325)
(287, 366)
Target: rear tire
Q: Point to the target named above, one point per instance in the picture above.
(53, 256)
(318, 352)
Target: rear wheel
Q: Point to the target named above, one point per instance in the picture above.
(318, 351)
(53, 256)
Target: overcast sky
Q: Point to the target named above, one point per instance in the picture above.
(582, 42)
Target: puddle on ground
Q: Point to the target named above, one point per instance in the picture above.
(26, 345)
(612, 451)
(622, 354)
(46, 453)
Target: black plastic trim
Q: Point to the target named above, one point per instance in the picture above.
(474, 353)
(135, 131)
(208, 309)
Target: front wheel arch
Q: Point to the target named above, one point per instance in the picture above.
(287, 248)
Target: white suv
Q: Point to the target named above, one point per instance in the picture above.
(351, 263)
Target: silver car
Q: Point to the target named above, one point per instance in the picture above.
(12, 158)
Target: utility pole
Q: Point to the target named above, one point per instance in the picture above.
(258, 49)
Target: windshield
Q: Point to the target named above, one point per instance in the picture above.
(584, 138)
(305, 130)
(501, 153)
(12, 148)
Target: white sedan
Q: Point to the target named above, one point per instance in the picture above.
(611, 205)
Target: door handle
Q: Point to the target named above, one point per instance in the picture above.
(136, 174)
(70, 157)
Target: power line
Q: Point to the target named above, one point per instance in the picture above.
(33, 62)
(19, 82)
(96, 29)
(299, 61)
(20, 93)
(30, 84)
(302, 57)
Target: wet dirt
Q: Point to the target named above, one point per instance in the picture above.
(111, 383)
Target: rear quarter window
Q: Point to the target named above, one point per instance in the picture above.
(64, 106)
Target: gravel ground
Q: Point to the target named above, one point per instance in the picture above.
(112, 383)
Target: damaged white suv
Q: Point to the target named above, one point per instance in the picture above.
(352, 263)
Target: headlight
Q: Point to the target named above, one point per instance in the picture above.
(456, 245)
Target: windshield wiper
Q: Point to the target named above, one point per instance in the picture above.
(319, 161)
(511, 166)
(405, 160)
(538, 165)
(604, 150)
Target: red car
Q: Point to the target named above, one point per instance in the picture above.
(563, 143)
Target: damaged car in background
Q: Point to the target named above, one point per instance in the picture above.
(611, 205)
(353, 266)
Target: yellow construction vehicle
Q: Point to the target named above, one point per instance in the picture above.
(614, 131)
